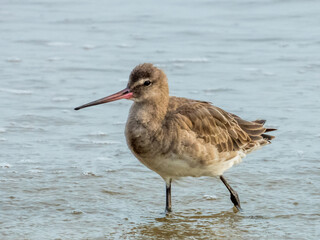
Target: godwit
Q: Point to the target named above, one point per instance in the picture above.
(179, 137)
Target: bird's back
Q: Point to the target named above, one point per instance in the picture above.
(225, 130)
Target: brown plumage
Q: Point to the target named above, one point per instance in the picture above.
(178, 137)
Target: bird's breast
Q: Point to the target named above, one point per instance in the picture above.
(140, 140)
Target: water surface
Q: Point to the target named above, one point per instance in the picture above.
(69, 175)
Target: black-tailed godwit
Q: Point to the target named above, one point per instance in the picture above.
(178, 137)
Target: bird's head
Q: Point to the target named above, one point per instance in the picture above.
(147, 83)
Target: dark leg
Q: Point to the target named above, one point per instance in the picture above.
(168, 197)
(234, 195)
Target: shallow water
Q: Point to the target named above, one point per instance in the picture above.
(69, 175)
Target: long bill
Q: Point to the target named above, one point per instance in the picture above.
(123, 94)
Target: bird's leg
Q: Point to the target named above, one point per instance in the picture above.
(168, 196)
(233, 194)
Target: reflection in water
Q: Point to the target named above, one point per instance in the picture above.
(182, 225)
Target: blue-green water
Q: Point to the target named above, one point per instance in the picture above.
(69, 175)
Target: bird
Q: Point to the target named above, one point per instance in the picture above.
(178, 137)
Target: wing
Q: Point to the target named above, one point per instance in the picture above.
(224, 130)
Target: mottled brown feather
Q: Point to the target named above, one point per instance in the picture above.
(224, 130)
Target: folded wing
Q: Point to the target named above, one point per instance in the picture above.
(224, 130)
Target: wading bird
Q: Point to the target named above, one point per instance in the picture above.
(178, 137)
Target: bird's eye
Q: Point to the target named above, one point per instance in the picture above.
(147, 83)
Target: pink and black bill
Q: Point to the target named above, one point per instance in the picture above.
(123, 94)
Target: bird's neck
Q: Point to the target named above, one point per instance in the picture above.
(150, 113)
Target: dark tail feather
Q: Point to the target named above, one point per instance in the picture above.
(268, 137)
(270, 129)
(262, 121)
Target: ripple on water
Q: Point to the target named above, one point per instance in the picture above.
(124, 45)
(98, 134)
(16, 91)
(111, 192)
(88, 46)
(179, 65)
(96, 142)
(190, 60)
(60, 99)
(119, 123)
(53, 59)
(35, 171)
(25, 127)
(210, 197)
(215, 90)
(27, 160)
(77, 212)
(35, 121)
(14, 60)
(90, 174)
(5, 165)
(58, 44)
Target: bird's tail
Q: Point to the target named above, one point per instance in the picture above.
(266, 136)
(257, 133)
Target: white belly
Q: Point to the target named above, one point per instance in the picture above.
(174, 167)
